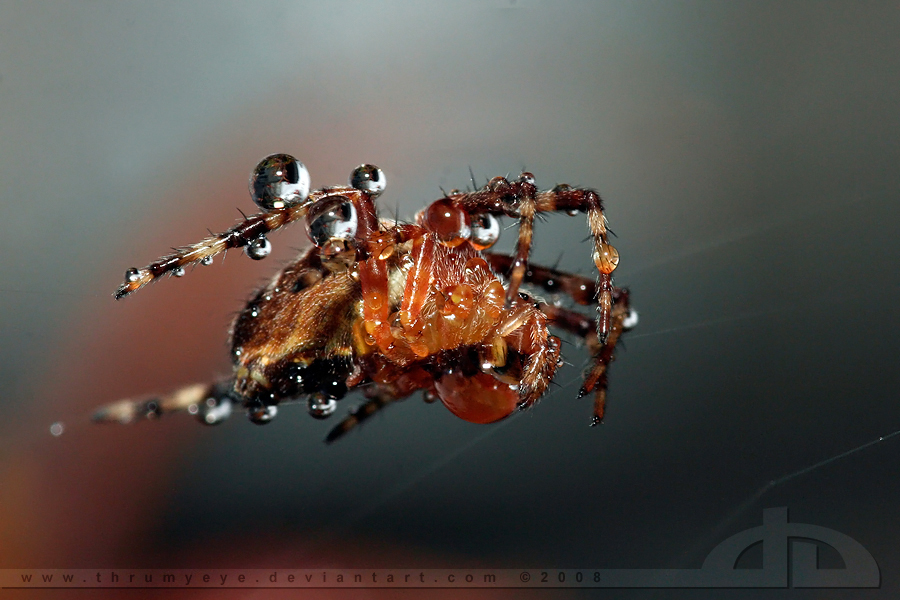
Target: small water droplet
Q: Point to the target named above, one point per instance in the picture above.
(132, 275)
(178, 272)
(262, 415)
(259, 248)
(321, 406)
(606, 258)
(206, 260)
(57, 429)
(485, 231)
(631, 320)
(369, 179)
(254, 312)
(572, 212)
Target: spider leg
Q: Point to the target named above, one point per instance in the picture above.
(242, 234)
(578, 324)
(211, 403)
(581, 290)
(519, 199)
(525, 330)
(523, 244)
(379, 395)
(374, 403)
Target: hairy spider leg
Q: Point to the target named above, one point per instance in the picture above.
(581, 290)
(519, 199)
(360, 414)
(574, 322)
(378, 396)
(211, 403)
(241, 234)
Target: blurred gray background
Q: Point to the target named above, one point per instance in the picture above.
(747, 153)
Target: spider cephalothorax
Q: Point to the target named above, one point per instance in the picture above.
(397, 307)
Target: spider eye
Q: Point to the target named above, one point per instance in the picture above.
(485, 231)
(279, 181)
(369, 179)
(332, 218)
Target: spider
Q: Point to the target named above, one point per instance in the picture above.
(392, 307)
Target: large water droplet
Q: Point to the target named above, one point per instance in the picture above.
(279, 181)
(331, 218)
(259, 248)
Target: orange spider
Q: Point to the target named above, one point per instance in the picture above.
(396, 307)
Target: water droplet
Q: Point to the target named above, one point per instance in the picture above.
(606, 259)
(237, 352)
(321, 406)
(572, 212)
(447, 222)
(386, 252)
(262, 415)
(497, 183)
(57, 429)
(631, 320)
(485, 231)
(331, 218)
(132, 275)
(193, 409)
(369, 179)
(259, 248)
(206, 260)
(526, 177)
(178, 271)
(430, 396)
(279, 181)
(254, 312)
